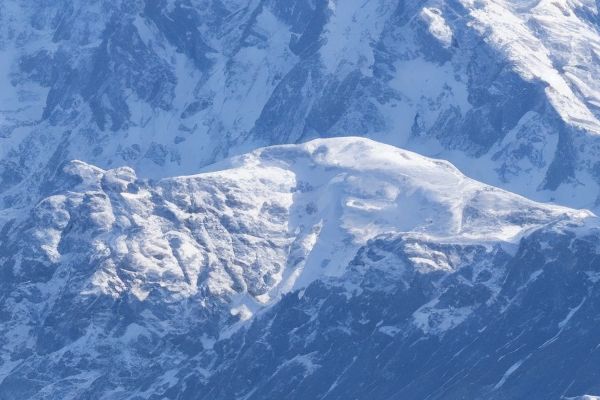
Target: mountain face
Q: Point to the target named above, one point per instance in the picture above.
(313, 264)
(414, 319)
(208, 199)
(505, 89)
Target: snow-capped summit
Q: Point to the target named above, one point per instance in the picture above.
(221, 235)
(108, 260)
(268, 221)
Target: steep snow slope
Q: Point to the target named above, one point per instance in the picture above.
(110, 272)
(555, 42)
(504, 89)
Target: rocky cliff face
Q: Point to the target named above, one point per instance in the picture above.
(132, 267)
(505, 89)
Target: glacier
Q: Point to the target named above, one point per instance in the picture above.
(303, 199)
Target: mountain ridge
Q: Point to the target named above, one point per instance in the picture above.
(241, 220)
(109, 266)
(198, 81)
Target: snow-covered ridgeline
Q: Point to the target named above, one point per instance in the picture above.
(503, 89)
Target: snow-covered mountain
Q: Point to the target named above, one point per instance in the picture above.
(505, 89)
(119, 287)
(208, 199)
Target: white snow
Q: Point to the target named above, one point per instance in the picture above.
(543, 39)
(437, 25)
(259, 225)
(350, 32)
(509, 372)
